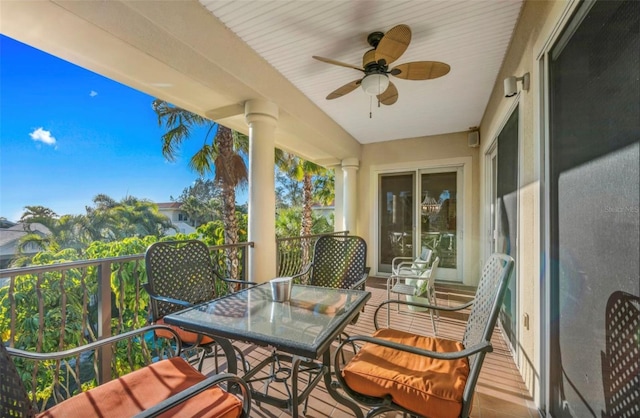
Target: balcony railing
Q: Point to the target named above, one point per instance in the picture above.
(57, 306)
(295, 253)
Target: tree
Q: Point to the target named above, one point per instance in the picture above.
(221, 154)
(288, 191)
(59, 232)
(201, 202)
(111, 220)
(301, 170)
(324, 190)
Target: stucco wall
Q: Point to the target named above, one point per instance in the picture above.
(535, 26)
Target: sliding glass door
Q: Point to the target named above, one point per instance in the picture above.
(407, 224)
(594, 150)
(505, 189)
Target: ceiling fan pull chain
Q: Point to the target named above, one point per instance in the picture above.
(370, 100)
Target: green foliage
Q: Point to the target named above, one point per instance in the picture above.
(108, 221)
(324, 187)
(212, 233)
(288, 223)
(54, 311)
(201, 201)
(288, 191)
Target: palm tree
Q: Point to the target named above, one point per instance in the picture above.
(111, 220)
(65, 231)
(139, 217)
(305, 171)
(221, 153)
(324, 187)
(201, 202)
(302, 170)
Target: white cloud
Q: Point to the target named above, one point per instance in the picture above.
(40, 135)
(93, 93)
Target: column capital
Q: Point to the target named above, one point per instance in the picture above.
(351, 162)
(260, 110)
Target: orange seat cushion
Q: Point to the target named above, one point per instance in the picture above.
(186, 337)
(426, 386)
(143, 388)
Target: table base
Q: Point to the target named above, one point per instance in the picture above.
(281, 374)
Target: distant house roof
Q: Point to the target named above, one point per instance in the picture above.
(5, 223)
(7, 236)
(17, 231)
(169, 205)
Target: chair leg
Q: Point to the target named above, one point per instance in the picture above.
(201, 354)
(434, 300)
(213, 352)
(389, 286)
(193, 355)
(433, 323)
(353, 346)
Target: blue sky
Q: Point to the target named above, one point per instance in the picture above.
(68, 134)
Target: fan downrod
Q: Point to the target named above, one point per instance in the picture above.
(374, 38)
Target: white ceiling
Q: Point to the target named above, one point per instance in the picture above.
(471, 36)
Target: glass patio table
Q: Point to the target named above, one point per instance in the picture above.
(300, 331)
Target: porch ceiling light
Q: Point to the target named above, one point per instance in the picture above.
(375, 84)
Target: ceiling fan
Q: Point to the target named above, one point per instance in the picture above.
(387, 47)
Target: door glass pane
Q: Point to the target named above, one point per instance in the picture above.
(396, 218)
(507, 218)
(494, 197)
(438, 216)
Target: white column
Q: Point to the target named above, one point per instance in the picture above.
(262, 118)
(350, 193)
(338, 203)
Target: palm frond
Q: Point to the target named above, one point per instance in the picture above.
(202, 160)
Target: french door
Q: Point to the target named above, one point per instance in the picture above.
(408, 224)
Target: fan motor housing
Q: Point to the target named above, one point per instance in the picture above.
(374, 38)
(371, 66)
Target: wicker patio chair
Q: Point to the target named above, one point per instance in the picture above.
(168, 387)
(181, 274)
(426, 376)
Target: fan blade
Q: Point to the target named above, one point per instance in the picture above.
(393, 44)
(334, 62)
(389, 96)
(421, 70)
(341, 91)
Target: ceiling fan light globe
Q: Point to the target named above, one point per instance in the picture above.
(375, 84)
